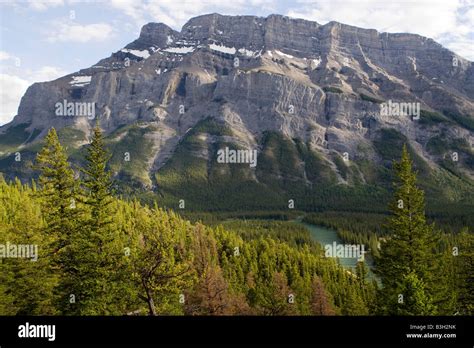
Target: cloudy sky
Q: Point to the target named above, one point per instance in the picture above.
(41, 40)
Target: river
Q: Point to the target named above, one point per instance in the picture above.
(325, 236)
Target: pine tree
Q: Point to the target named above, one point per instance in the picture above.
(160, 268)
(211, 295)
(59, 195)
(353, 302)
(98, 249)
(464, 273)
(275, 297)
(320, 303)
(415, 300)
(98, 183)
(59, 192)
(361, 272)
(411, 243)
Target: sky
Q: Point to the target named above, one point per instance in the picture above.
(45, 39)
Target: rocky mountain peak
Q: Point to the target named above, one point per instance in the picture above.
(322, 84)
(154, 34)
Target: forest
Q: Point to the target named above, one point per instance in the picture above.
(103, 254)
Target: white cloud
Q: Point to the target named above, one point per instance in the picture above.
(463, 47)
(12, 89)
(469, 15)
(175, 13)
(5, 55)
(35, 5)
(72, 32)
(131, 8)
(46, 73)
(42, 5)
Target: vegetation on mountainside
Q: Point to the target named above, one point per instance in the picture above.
(103, 255)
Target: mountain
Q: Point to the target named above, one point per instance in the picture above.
(311, 99)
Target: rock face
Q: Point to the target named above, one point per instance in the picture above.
(322, 84)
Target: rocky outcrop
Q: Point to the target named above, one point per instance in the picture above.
(319, 83)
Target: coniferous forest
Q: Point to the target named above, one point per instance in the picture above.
(100, 253)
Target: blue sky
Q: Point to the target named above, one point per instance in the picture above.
(43, 40)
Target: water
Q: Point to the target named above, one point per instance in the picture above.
(324, 236)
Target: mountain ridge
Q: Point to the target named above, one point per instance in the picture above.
(265, 83)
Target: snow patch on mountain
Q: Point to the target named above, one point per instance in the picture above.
(249, 53)
(179, 50)
(80, 81)
(137, 53)
(315, 63)
(222, 48)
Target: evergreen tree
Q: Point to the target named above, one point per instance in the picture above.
(411, 243)
(26, 284)
(320, 303)
(415, 300)
(275, 297)
(211, 295)
(58, 192)
(353, 302)
(161, 270)
(98, 183)
(98, 250)
(361, 272)
(464, 273)
(59, 195)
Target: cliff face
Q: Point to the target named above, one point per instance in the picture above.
(321, 84)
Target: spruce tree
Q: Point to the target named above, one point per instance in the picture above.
(59, 202)
(98, 183)
(415, 300)
(58, 191)
(410, 245)
(99, 254)
(464, 273)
